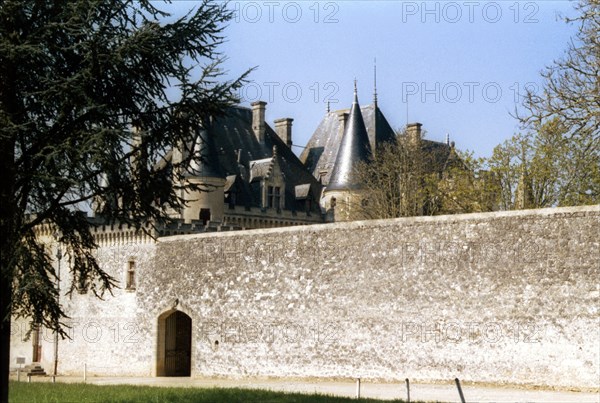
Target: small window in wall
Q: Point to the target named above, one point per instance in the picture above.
(130, 281)
(204, 215)
(322, 175)
(82, 284)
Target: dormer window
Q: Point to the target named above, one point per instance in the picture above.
(304, 198)
(230, 199)
(274, 197)
(232, 192)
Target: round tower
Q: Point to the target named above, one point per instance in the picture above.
(342, 197)
(206, 202)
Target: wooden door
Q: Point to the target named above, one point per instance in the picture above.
(178, 344)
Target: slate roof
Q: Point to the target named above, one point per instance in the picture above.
(241, 158)
(322, 148)
(436, 155)
(354, 148)
(208, 165)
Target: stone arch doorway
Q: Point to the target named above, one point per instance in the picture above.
(174, 355)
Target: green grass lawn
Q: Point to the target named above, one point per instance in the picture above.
(79, 392)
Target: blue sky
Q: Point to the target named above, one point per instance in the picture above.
(458, 67)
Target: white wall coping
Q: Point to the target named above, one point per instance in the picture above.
(541, 213)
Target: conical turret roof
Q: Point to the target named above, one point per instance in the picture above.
(354, 148)
(208, 164)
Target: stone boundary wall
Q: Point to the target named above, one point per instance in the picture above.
(510, 297)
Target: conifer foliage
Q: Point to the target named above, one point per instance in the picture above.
(92, 94)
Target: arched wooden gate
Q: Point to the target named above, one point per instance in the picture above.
(174, 344)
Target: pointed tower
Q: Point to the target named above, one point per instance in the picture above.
(343, 190)
(524, 192)
(320, 154)
(207, 202)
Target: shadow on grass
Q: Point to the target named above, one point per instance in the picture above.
(21, 392)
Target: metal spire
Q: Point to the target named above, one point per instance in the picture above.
(375, 82)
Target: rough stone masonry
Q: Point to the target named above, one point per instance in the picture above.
(509, 297)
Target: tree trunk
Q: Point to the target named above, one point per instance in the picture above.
(5, 302)
(7, 251)
(10, 218)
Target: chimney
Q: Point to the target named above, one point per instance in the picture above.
(413, 132)
(258, 120)
(283, 127)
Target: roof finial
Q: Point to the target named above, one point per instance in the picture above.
(375, 82)
(448, 139)
(328, 109)
(355, 92)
